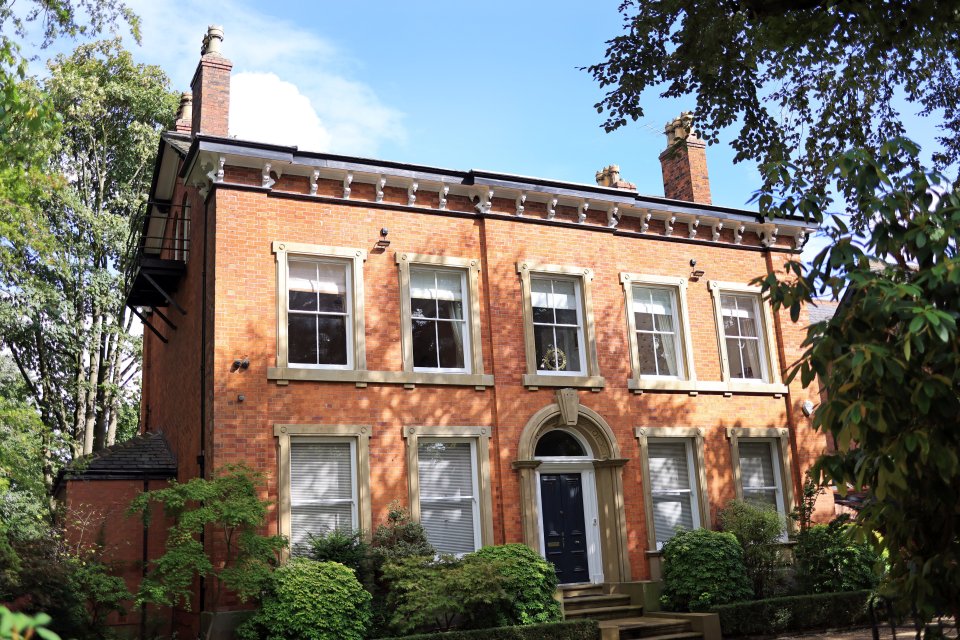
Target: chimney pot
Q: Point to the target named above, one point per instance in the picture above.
(185, 114)
(609, 176)
(212, 41)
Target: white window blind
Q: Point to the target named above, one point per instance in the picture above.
(673, 488)
(449, 504)
(758, 476)
(322, 489)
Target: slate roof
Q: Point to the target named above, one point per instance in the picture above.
(179, 141)
(824, 310)
(145, 457)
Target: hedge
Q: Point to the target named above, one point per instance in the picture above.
(793, 613)
(571, 630)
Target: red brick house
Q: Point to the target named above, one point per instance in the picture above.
(574, 366)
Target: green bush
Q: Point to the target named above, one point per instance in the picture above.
(15, 625)
(431, 595)
(828, 560)
(759, 530)
(349, 549)
(313, 601)
(572, 630)
(794, 613)
(701, 569)
(399, 537)
(529, 581)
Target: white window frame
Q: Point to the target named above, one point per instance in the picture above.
(356, 341)
(475, 485)
(354, 499)
(781, 457)
(465, 321)
(473, 350)
(766, 341)
(694, 438)
(687, 378)
(581, 342)
(359, 438)
(346, 314)
(589, 377)
(479, 439)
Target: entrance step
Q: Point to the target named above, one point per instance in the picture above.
(601, 601)
(576, 590)
(605, 613)
(648, 628)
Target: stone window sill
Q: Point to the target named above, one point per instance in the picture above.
(693, 387)
(533, 381)
(409, 379)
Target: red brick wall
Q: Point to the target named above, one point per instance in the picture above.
(245, 326)
(211, 96)
(95, 519)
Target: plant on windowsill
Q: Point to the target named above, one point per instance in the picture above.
(227, 505)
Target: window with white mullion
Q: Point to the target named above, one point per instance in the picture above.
(323, 489)
(657, 324)
(673, 487)
(557, 325)
(741, 329)
(319, 327)
(449, 496)
(759, 477)
(439, 320)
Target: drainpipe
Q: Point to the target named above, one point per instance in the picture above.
(143, 573)
(201, 458)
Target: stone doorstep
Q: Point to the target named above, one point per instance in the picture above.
(647, 629)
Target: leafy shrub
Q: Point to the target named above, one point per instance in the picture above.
(570, 630)
(313, 601)
(828, 560)
(701, 569)
(759, 530)
(349, 549)
(793, 613)
(529, 581)
(427, 595)
(399, 537)
(21, 625)
(99, 593)
(228, 505)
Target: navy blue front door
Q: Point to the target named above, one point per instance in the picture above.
(564, 530)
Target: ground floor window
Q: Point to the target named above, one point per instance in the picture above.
(449, 500)
(673, 487)
(323, 489)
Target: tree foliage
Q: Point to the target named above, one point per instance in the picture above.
(889, 358)
(228, 506)
(802, 80)
(61, 290)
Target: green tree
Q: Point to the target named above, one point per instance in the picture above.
(802, 80)
(61, 310)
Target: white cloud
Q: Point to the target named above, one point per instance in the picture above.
(289, 85)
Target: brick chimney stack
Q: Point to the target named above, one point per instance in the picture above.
(211, 87)
(684, 162)
(185, 114)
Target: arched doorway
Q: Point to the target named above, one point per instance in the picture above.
(571, 485)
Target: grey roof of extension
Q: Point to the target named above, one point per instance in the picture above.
(824, 310)
(144, 457)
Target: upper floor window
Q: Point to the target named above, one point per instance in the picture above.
(748, 351)
(440, 315)
(319, 327)
(320, 307)
(557, 325)
(440, 332)
(558, 332)
(741, 334)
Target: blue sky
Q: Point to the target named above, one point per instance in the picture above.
(493, 86)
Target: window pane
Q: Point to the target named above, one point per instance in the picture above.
(546, 351)
(303, 301)
(569, 348)
(666, 350)
(423, 294)
(559, 443)
(451, 344)
(321, 489)
(317, 519)
(751, 359)
(644, 321)
(423, 308)
(756, 465)
(301, 338)
(763, 496)
(748, 326)
(565, 301)
(646, 355)
(332, 340)
(671, 512)
(445, 470)
(424, 343)
(332, 287)
(668, 466)
(449, 525)
(735, 358)
(302, 286)
(448, 497)
(449, 286)
(540, 300)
